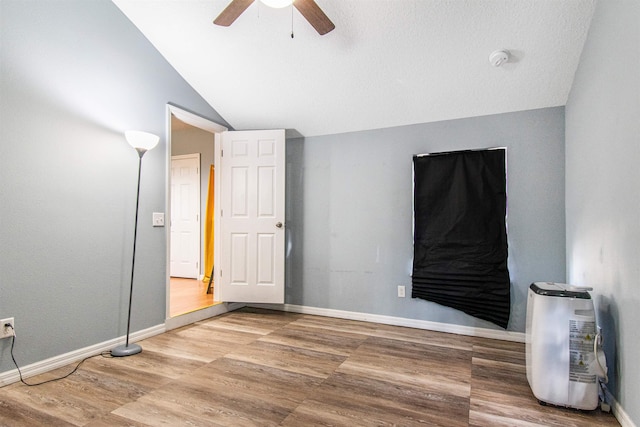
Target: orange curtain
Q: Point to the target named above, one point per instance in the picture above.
(208, 228)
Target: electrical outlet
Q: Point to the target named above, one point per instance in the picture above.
(401, 291)
(7, 331)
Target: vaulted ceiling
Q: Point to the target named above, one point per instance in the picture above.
(387, 63)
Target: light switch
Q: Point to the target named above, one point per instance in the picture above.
(158, 219)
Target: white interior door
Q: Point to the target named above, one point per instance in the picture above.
(184, 258)
(252, 203)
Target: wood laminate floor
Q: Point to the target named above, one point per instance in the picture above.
(263, 368)
(187, 295)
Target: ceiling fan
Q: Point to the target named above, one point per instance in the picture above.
(308, 8)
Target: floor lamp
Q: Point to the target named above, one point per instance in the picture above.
(142, 142)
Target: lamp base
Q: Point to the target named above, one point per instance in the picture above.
(126, 350)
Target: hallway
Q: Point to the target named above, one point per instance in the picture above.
(187, 295)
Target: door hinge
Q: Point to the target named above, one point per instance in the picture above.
(197, 217)
(221, 153)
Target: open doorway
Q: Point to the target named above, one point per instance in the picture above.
(191, 164)
(191, 157)
(249, 187)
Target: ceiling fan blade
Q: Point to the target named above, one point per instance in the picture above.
(232, 11)
(316, 17)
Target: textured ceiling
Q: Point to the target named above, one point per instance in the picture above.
(387, 63)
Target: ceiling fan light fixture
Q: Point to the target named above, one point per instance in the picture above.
(309, 9)
(277, 4)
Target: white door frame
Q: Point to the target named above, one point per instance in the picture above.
(215, 128)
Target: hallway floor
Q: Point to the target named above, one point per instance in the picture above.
(187, 295)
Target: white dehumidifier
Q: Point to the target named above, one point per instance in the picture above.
(564, 358)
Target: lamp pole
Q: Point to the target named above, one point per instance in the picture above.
(142, 142)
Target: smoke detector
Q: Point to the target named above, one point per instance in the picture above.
(499, 57)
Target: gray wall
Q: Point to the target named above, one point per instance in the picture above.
(189, 141)
(603, 187)
(74, 75)
(349, 213)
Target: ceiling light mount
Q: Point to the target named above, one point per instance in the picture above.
(499, 57)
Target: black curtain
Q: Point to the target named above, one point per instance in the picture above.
(460, 236)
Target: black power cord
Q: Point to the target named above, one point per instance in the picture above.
(13, 342)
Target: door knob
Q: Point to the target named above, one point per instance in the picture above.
(279, 224)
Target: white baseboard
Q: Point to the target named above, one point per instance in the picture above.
(55, 362)
(205, 313)
(399, 321)
(618, 411)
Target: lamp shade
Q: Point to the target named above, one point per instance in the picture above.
(141, 140)
(277, 3)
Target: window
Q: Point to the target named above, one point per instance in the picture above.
(460, 236)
